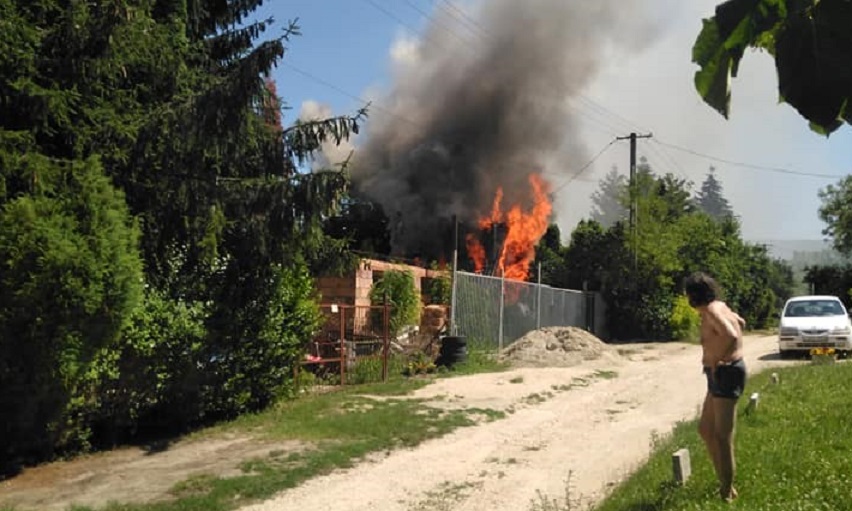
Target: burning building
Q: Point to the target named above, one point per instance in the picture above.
(480, 107)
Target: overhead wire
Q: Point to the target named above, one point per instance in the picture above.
(586, 166)
(666, 163)
(465, 46)
(660, 150)
(459, 14)
(429, 18)
(355, 97)
(752, 166)
(486, 35)
(598, 117)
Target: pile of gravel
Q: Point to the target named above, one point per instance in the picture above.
(557, 347)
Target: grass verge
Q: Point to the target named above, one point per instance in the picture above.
(794, 452)
(481, 358)
(340, 428)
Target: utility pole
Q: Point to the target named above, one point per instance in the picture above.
(633, 137)
(634, 195)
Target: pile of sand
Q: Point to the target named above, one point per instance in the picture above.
(557, 347)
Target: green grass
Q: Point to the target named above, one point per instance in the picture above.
(338, 428)
(793, 453)
(481, 358)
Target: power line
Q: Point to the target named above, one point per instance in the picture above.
(604, 124)
(780, 170)
(447, 6)
(666, 156)
(429, 18)
(485, 35)
(597, 124)
(587, 165)
(666, 162)
(367, 104)
(421, 33)
(625, 123)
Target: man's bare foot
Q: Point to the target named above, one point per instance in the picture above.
(730, 495)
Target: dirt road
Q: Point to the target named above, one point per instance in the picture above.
(597, 432)
(594, 419)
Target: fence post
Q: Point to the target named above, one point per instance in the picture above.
(454, 298)
(386, 347)
(502, 303)
(342, 348)
(538, 300)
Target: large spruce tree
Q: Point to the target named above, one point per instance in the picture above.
(169, 102)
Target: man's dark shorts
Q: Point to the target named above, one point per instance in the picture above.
(728, 381)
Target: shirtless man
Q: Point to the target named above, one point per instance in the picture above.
(721, 341)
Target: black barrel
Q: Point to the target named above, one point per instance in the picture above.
(453, 351)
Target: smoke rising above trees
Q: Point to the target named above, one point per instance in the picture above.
(471, 110)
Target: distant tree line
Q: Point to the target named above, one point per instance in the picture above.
(640, 272)
(609, 201)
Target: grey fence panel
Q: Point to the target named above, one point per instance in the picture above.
(497, 312)
(478, 307)
(520, 314)
(563, 307)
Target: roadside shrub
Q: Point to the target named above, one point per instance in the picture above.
(70, 275)
(402, 297)
(151, 381)
(255, 337)
(685, 321)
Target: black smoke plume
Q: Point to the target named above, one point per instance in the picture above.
(483, 99)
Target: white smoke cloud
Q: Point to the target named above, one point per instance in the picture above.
(405, 51)
(331, 155)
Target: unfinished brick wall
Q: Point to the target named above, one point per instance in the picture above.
(354, 289)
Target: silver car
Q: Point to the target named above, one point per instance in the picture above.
(809, 322)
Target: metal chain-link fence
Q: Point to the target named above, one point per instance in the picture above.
(497, 312)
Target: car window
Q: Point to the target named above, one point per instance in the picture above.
(811, 308)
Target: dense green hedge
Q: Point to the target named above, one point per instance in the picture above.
(70, 276)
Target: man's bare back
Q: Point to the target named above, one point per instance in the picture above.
(721, 334)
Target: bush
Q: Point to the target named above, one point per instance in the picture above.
(256, 336)
(152, 380)
(70, 275)
(401, 294)
(685, 322)
(440, 289)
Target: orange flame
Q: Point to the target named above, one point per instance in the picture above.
(476, 252)
(496, 215)
(523, 232)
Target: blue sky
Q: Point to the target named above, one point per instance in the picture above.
(344, 56)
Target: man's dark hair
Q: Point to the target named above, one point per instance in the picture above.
(701, 289)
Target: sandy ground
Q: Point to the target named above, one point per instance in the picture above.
(597, 433)
(131, 474)
(594, 420)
